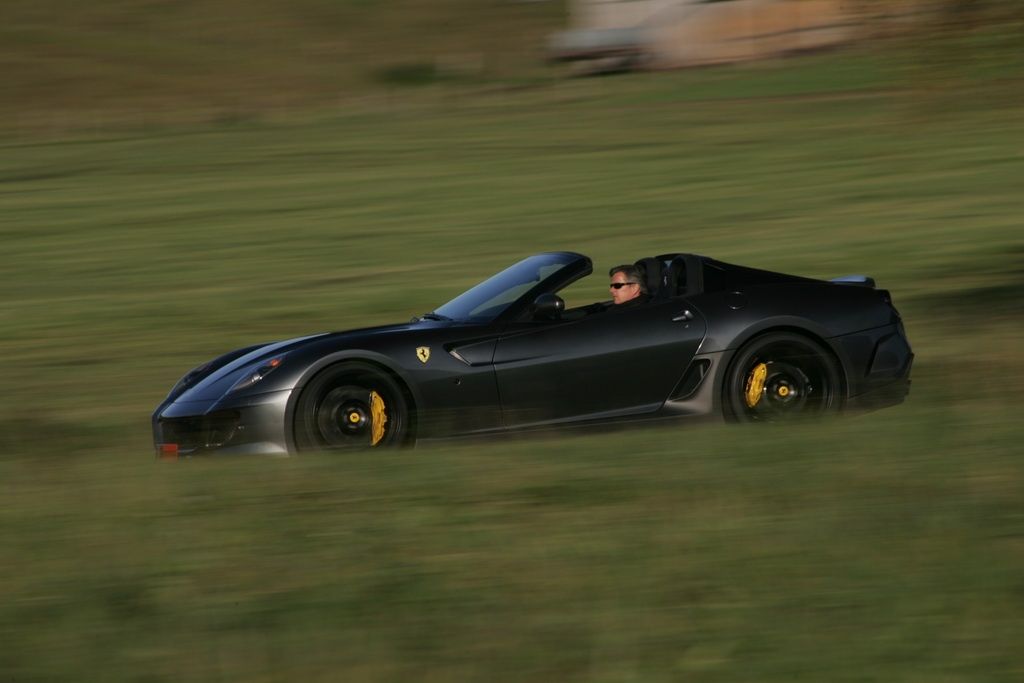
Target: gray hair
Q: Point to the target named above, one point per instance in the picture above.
(632, 274)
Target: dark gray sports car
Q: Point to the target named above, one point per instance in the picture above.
(711, 339)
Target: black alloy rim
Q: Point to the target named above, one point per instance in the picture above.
(344, 418)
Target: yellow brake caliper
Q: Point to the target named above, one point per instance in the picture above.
(379, 417)
(755, 384)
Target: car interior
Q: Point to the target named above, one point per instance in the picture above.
(664, 277)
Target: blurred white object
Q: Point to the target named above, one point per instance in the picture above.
(675, 33)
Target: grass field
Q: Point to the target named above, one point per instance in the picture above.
(888, 547)
(69, 64)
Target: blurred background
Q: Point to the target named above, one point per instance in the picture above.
(180, 178)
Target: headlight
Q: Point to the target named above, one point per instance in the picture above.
(255, 374)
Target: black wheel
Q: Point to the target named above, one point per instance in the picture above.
(782, 375)
(351, 405)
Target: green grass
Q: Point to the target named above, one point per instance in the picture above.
(859, 550)
(886, 547)
(69, 64)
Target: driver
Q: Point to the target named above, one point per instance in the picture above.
(627, 285)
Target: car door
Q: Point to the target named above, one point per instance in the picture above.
(607, 364)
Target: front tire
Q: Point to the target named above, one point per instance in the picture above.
(351, 405)
(780, 376)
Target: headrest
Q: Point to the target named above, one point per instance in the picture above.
(674, 277)
(650, 271)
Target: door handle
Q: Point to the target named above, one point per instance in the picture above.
(684, 316)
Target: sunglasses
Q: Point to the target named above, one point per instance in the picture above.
(620, 285)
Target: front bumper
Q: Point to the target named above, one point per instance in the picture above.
(243, 425)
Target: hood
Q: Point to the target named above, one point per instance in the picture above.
(219, 377)
(220, 374)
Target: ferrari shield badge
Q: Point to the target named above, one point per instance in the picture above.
(423, 353)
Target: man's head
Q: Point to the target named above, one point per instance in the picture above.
(626, 284)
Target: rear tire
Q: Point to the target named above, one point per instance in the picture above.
(781, 376)
(337, 411)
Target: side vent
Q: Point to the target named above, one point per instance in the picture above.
(692, 379)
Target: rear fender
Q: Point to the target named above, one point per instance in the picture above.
(807, 329)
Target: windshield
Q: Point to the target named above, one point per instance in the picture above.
(491, 297)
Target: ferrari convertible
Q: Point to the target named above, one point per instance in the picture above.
(709, 339)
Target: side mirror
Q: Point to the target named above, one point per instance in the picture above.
(548, 307)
